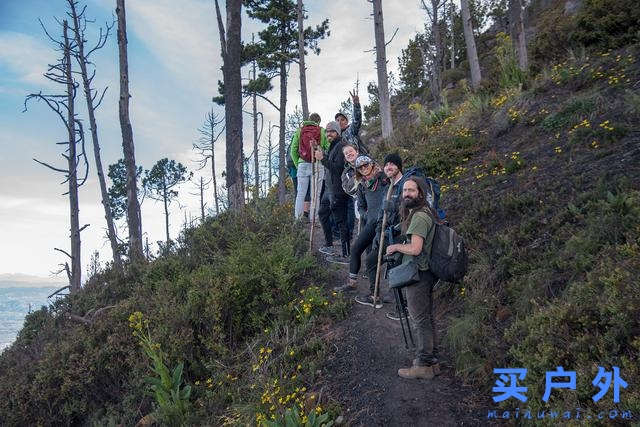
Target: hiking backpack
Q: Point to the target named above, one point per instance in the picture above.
(307, 134)
(290, 164)
(449, 259)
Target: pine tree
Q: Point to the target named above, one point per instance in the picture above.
(276, 48)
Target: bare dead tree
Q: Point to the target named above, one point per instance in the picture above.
(472, 53)
(256, 136)
(433, 12)
(303, 69)
(93, 99)
(206, 146)
(272, 152)
(453, 37)
(203, 186)
(516, 24)
(64, 107)
(134, 219)
(381, 68)
(231, 49)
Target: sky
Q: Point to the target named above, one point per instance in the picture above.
(174, 66)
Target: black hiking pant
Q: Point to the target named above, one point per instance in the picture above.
(336, 205)
(362, 242)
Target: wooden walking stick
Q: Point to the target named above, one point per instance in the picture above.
(314, 203)
(381, 248)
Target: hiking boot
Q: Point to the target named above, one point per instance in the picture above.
(327, 250)
(367, 299)
(417, 372)
(347, 287)
(393, 315)
(337, 259)
(435, 366)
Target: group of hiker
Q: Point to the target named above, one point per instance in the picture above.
(396, 213)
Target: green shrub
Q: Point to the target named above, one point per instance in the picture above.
(607, 24)
(573, 111)
(510, 73)
(224, 283)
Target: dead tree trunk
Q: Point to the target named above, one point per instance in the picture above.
(437, 69)
(76, 259)
(472, 53)
(381, 67)
(213, 174)
(436, 59)
(453, 36)
(134, 220)
(516, 19)
(82, 58)
(303, 71)
(269, 164)
(165, 197)
(233, 105)
(63, 106)
(202, 199)
(282, 163)
(256, 165)
(206, 146)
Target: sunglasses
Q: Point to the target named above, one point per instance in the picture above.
(366, 165)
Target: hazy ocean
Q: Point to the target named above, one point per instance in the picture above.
(14, 306)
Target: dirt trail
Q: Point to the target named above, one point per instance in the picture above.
(361, 373)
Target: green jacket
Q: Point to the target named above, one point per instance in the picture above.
(295, 142)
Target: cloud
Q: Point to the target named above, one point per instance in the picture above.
(181, 38)
(174, 65)
(18, 53)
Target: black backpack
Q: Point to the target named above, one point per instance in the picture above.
(449, 260)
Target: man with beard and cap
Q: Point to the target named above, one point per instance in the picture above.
(334, 201)
(417, 225)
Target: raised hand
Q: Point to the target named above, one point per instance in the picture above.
(354, 97)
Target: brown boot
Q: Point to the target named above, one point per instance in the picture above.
(435, 367)
(424, 372)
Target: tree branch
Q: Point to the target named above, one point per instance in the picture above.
(91, 315)
(64, 252)
(51, 167)
(268, 100)
(223, 42)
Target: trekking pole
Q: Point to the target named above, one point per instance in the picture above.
(381, 248)
(399, 310)
(313, 201)
(403, 306)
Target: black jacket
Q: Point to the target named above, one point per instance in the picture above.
(334, 161)
(370, 200)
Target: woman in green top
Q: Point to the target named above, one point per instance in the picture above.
(417, 225)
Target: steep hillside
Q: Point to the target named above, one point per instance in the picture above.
(544, 183)
(228, 328)
(236, 324)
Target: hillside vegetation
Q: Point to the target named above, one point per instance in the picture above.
(235, 304)
(540, 173)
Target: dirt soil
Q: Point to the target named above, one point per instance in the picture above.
(360, 373)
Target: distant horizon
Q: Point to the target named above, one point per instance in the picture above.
(24, 280)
